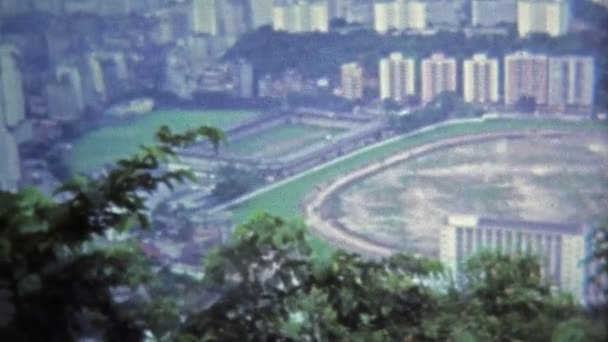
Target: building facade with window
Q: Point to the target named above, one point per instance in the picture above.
(561, 248)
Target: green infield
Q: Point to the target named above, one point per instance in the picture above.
(284, 200)
(107, 144)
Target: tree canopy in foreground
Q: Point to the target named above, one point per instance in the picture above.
(58, 278)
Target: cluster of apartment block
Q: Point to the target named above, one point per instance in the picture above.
(300, 16)
(531, 16)
(562, 249)
(556, 83)
(12, 117)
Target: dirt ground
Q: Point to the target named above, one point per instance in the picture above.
(563, 180)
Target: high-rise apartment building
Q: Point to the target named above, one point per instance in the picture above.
(352, 81)
(69, 75)
(400, 15)
(571, 82)
(487, 13)
(543, 16)
(438, 76)
(525, 76)
(260, 12)
(319, 17)
(561, 248)
(12, 101)
(445, 12)
(205, 16)
(299, 16)
(244, 79)
(10, 169)
(360, 11)
(397, 77)
(383, 17)
(232, 18)
(480, 79)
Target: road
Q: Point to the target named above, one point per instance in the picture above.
(344, 238)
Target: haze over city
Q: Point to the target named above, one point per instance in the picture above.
(303, 170)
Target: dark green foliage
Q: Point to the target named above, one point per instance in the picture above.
(55, 279)
(57, 275)
(277, 291)
(445, 105)
(526, 104)
(234, 182)
(315, 54)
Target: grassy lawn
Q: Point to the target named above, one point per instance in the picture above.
(275, 140)
(107, 144)
(284, 200)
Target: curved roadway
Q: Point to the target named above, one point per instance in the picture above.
(344, 238)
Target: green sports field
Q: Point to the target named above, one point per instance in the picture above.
(107, 144)
(284, 200)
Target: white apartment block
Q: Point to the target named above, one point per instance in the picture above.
(399, 15)
(480, 79)
(10, 169)
(438, 76)
(261, 12)
(205, 16)
(543, 16)
(12, 99)
(300, 16)
(352, 81)
(487, 13)
(561, 248)
(525, 75)
(397, 77)
(571, 82)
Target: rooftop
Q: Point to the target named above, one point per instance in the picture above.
(471, 221)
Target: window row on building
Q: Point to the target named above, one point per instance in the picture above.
(562, 249)
(531, 16)
(556, 83)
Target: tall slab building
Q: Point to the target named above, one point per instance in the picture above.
(397, 77)
(526, 75)
(561, 248)
(571, 82)
(438, 76)
(12, 100)
(543, 16)
(480, 79)
(400, 15)
(298, 16)
(260, 12)
(205, 15)
(487, 13)
(10, 169)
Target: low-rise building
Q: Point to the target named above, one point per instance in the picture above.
(561, 248)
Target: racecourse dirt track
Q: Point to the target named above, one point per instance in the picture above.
(400, 203)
